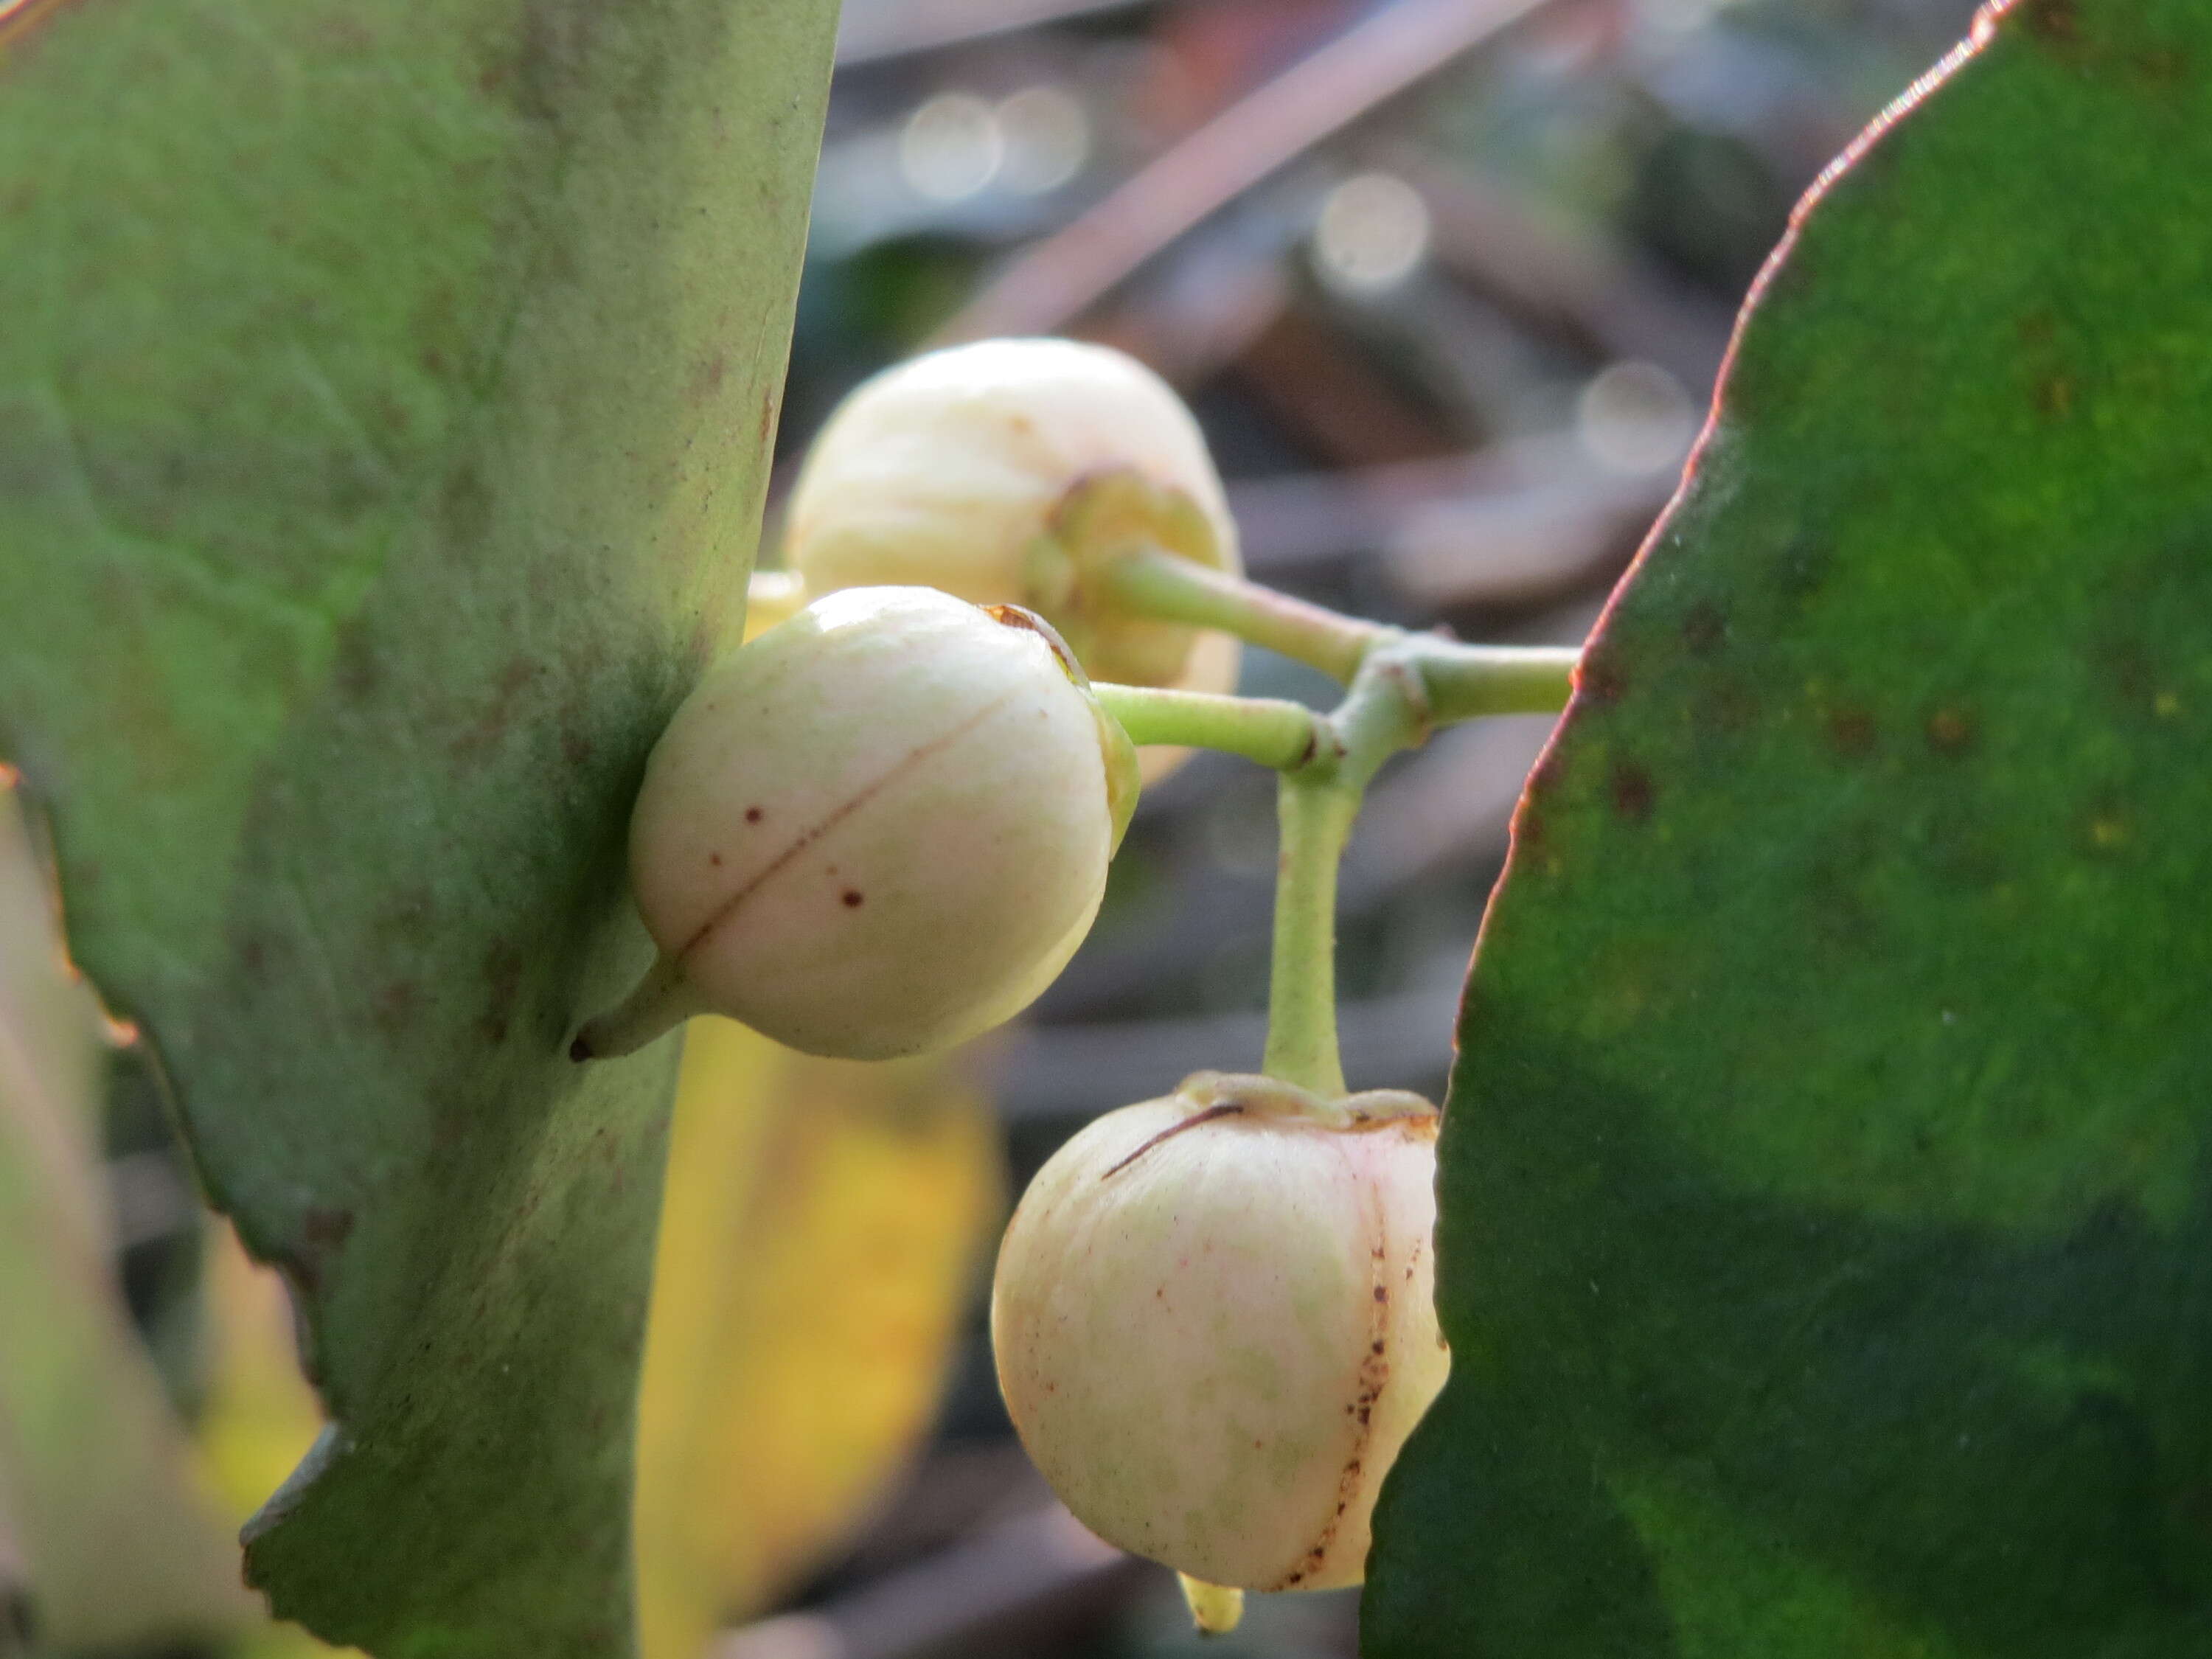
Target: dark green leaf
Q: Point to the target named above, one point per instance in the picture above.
(1826, 1244)
(385, 394)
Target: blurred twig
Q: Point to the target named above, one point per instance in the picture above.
(1292, 519)
(894, 28)
(1027, 1581)
(1534, 541)
(1061, 277)
(1515, 524)
(1490, 233)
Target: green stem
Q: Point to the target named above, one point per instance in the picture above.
(1267, 730)
(660, 1002)
(1153, 582)
(1461, 681)
(1464, 681)
(1315, 814)
(1402, 686)
(1388, 709)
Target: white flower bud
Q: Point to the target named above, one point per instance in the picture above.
(1214, 1322)
(881, 828)
(1001, 471)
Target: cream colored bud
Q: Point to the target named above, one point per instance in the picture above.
(1002, 472)
(881, 828)
(1214, 1324)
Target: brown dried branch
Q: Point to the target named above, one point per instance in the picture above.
(1026, 1580)
(896, 28)
(1061, 275)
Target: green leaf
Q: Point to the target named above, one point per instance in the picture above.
(385, 398)
(1827, 1187)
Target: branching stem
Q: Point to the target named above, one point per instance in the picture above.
(1402, 686)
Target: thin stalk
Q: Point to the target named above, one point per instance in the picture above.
(1214, 1608)
(1465, 681)
(1314, 815)
(660, 1002)
(1268, 730)
(1152, 582)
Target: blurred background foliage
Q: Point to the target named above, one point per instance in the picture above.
(1448, 282)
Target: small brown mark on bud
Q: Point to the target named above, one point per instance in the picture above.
(1228, 1109)
(853, 898)
(752, 814)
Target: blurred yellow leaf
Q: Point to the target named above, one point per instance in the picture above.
(823, 1224)
(258, 1415)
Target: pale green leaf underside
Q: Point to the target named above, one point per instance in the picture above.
(384, 406)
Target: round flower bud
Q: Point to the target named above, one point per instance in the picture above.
(1005, 471)
(1214, 1324)
(881, 828)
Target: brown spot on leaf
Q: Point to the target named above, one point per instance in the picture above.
(357, 671)
(465, 506)
(502, 973)
(1951, 731)
(2054, 396)
(1633, 793)
(1705, 625)
(1600, 678)
(499, 712)
(323, 1234)
(2056, 21)
(393, 1006)
(1851, 733)
(2162, 67)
